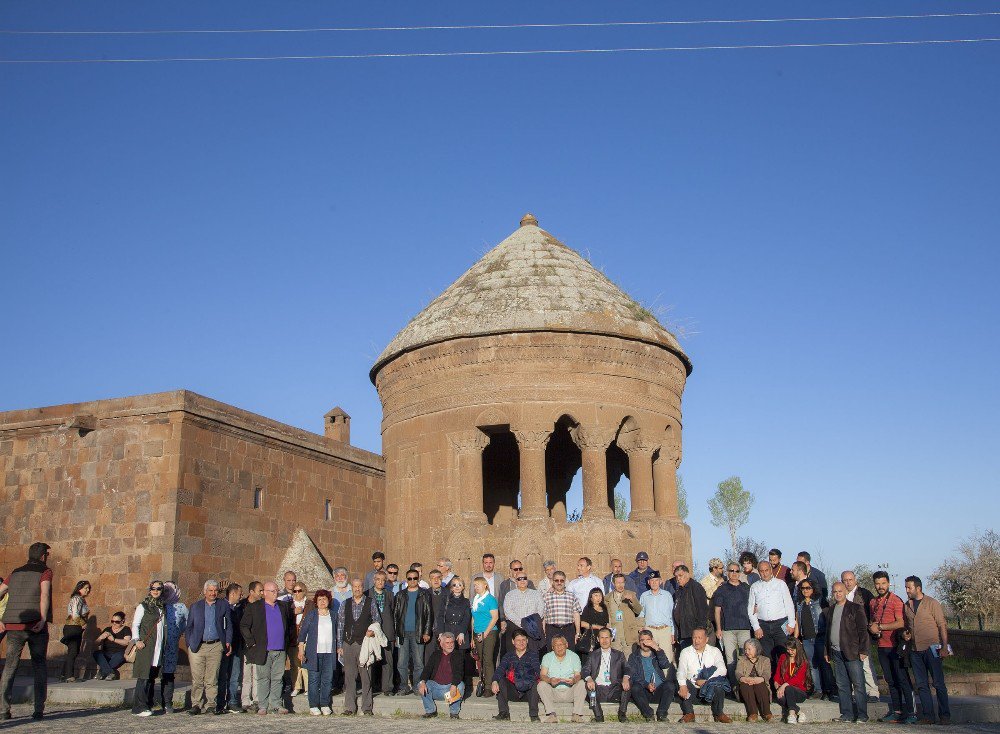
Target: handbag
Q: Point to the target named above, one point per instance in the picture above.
(131, 649)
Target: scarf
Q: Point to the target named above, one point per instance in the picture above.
(479, 599)
(153, 604)
(171, 594)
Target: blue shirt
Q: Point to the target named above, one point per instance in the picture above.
(653, 673)
(732, 600)
(481, 615)
(211, 633)
(657, 609)
(410, 621)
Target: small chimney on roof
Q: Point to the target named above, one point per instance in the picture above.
(337, 425)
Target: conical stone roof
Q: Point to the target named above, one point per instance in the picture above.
(530, 282)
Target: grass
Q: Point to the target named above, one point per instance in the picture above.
(964, 666)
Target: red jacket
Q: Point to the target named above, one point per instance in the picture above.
(796, 679)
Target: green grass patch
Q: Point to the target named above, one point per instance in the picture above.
(954, 664)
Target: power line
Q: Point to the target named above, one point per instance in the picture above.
(608, 24)
(440, 54)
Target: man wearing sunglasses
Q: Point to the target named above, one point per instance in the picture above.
(413, 622)
(519, 604)
(729, 609)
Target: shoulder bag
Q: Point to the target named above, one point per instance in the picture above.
(131, 649)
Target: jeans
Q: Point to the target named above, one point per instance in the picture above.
(773, 641)
(108, 663)
(850, 674)
(791, 699)
(437, 691)
(321, 680)
(142, 696)
(72, 638)
(924, 663)
(508, 692)
(900, 689)
(230, 677)
(718, 701)
(269, 677)
(815, 650)
(38, 643)
(663, 695)
(410, 648)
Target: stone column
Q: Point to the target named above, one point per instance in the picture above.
(593, 443)
(665, 481)
(468, 447)
(640, 474)
(531, 443)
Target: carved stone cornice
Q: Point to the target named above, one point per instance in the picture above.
(533, 439)
(671, 453)
(591, 438)
(468, 441)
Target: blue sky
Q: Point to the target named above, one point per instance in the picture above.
(821, 221)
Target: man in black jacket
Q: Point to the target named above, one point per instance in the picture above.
(690, 607)
(860, 595)
(645, 679)
(442, 678)
(847, 649)
(413, 623)
(604, 671)
(266, 647)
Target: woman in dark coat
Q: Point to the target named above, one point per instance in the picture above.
(455, 615)
(150, 638)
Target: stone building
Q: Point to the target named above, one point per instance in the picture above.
(529, 367)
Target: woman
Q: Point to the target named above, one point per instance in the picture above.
(455, 615)
(792, 681)
(810, 628)
(485, 616)
(77, 613)
(318, 649)
(175, 616)
(301, 606)
(593, 619)
(111, 644)
(150, 639)
(753, 673)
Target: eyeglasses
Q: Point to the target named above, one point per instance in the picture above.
(734, 570)
(156, 588)
(411, 578)
(515, 570)
(805, 588)
(558, 581)
(393, 573)
(117, 621)
(298, 591)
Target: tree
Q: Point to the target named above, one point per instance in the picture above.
(863, 573)
(730, 508)
(682, 498)
(621, 507)
(968, 581)
(758, 547)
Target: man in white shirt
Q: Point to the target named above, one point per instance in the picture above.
(699, 667)
(545, 585)
(489, 562)
(444, 565)
(771, 612)
(584, 582)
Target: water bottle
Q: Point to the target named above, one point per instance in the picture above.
(593, 698)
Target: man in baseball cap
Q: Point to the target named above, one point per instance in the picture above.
(640, 576)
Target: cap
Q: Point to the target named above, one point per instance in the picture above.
(642, 556)
(653, 575)
(716, 563)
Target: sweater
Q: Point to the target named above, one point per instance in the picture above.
(928, 624)
(796, 679)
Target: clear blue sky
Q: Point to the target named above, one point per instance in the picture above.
(823, 221)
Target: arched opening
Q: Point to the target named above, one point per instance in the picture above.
(617, 463)
(501, 476)
(563, 460)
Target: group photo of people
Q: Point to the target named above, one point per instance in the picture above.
(768, 635)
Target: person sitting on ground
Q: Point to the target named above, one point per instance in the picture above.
(516, 677)
(111, 644)
(792, 681)
(701, 675)
(753, 675)
(442, 678)
(560, 680)
(649, 676)
(604, 673)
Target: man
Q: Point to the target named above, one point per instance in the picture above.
(799, 573)
(860, 595)
(515, 678)
(209, 637)
(585, 581)
(419, 568)
(780, 570)
(268, 629)
(516, 568)
(671, 585)
(341, 590)
(616, 567)
(444, 565)
(690, 607)
(604, 674)
(732, 621)
(545, 585)
(640, 576)
(231, 669)
(378, 561)
(817, 576)
(413, 623)
(846, 650)
(561, 615)
(623, 614)
(248, 678)
(354, 617)
(749, 564)
(927, 630)
(658, 614)
(701, 677)
(442, 678)
(290, 578)
(28, 590)
(771, 612)
(437, 596)
(392, 578)
(886, 619)
(489, 564)
(649, 676)
(383, 598)
(518, 605)
(560, 680)
(715, 577)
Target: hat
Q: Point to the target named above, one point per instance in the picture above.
(716, 563)
(642, 556)
(653, 575)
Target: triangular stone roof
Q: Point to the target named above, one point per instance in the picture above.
(530, 282)
(304, 558)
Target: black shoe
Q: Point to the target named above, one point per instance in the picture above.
(390, 693)
(431, 715)
(661, 717)
(5, 716)
(220, 712)
(234, 709)
(38, 715)
(501, 717)
(536, 719)
(599, 717)
(648, 718)
(452, 716)
(195, 710)
(406, 691)
(621, 717)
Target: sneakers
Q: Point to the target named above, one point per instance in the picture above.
(315, 711)
(577, 719)
(145, 713)
(909, 720)
(325, 710)
(793, 718)
(802, 717)
(891, 718)
(551, 719)
(842, 720)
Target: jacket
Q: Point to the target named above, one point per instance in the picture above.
(309, 634)
(819, 619)
(526, 669)
(425, 623)
(864, 597)
(388, 621)
(854, 639)
(457, 659)
(235, 616)
(151, 626)
(926, 624)
(629, 583)
(371, 647)
(196, 623)
(592, 665)
(455, 616)
(626, 630)
(759, 668)
(254, 629)
(637, 673)
(690, 608)
(796, 679)
(640, 579)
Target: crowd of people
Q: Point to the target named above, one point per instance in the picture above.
(757, 631)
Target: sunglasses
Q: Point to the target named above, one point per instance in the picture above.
(805, 588)
(117, 621)
(298, 591)
(411, 578)
(393, 573)
(521, 578)
(156, 588)
(515, 570)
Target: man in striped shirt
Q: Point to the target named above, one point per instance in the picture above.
(562, 612)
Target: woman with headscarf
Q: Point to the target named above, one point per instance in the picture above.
(150, 638)
(77, 613)
(176, 615)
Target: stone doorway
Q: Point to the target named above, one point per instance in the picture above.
(563, 460)
(501, 476)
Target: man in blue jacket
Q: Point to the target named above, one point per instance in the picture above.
(649, 676)
(209, 635)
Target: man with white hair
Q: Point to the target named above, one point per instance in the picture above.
(209, 636)
(268, 628)
(444, 565)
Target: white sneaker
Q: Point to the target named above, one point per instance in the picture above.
(326, 710)
(147, 712)
(296, 692)
(792, 718)
(802, 717)
(314, 711)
